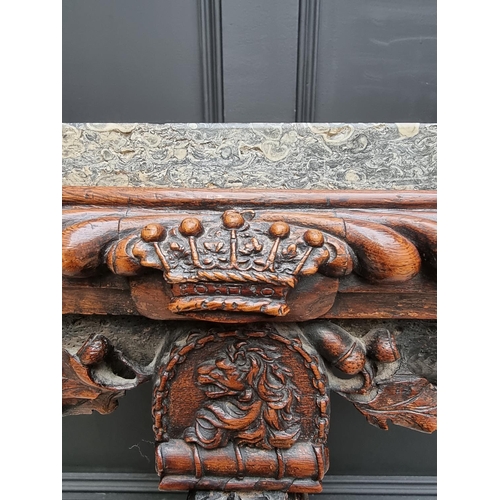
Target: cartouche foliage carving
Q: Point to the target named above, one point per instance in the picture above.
(248, 408)
(382, 387)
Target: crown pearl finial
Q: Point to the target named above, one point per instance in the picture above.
(152, 233)
(232, 219)
(279, 230)
(314, 238)
(190, 227)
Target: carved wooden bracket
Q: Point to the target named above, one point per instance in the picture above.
(241, 397)
(257, 416)
(247, 408)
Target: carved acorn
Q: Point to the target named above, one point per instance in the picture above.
(344, 351)
(381, 345)
(94, 350)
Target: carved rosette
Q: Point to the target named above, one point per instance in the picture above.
(241, 410)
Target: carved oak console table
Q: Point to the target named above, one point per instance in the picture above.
(249, 285)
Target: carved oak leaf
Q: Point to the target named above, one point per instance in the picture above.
(404, 400)
(81, 394)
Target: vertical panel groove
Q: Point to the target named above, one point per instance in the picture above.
(307, 59)
(210, 27)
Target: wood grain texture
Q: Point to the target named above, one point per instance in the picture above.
(257, 417)
(382, 386)
(225, 198)
(247, 408)
(257, 413)
(238, 256)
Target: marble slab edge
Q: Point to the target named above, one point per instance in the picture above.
(353, 156)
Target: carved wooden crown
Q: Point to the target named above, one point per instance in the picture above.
(261, 262)
(229, 265)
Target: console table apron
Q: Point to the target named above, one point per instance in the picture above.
(328, 223)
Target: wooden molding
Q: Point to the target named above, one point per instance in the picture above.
(241, 397)
(143, 486)
(242, 256)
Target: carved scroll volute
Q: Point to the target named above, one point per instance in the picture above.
(256, 417)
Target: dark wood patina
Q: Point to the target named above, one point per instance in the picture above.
(250, 282)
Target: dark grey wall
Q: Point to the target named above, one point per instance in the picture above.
(130, 61)
(164, 61)
(123, 442)
(377, 61)
(239, 61)
(259, 40)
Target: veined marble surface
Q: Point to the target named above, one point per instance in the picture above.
(251, 155)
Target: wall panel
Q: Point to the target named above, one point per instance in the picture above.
(259, 40)
(377, 61)
(130, 61)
